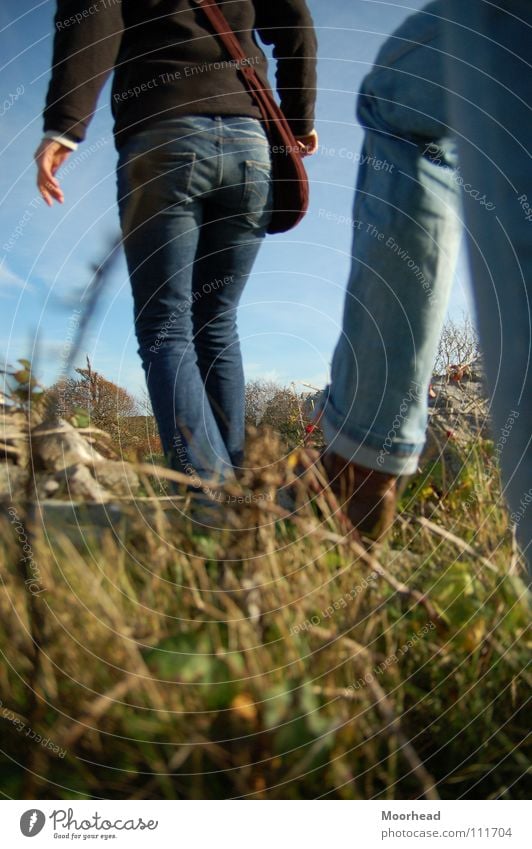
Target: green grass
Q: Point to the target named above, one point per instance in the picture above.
(274, 658)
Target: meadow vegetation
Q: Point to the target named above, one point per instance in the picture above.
(271, 658)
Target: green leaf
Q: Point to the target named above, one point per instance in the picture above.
(191, 659)
(80, 417)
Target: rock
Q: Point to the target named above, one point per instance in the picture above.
(13, 436)
(12, 482)
(99, 440)
(458, 415)
(66, 462)
(117, 476)
(50, 487)
(45, 487)
(13, 419)
(79, 469)
(79, 483)
(57, 445)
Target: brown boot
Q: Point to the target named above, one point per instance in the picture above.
(369, 498)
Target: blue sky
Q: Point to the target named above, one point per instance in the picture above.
(291, 311)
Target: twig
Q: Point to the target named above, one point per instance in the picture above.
(92, 294)
(514, 563)
(365, 555)
(170, 474)
(96, 710)
(393, 724)
(8, 449)
(450, 537)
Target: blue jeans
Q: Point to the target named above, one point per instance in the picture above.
(194, 196)
(451, 80)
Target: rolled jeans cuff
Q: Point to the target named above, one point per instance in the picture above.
(398, 460)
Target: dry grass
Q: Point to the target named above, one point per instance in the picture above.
(270, 659)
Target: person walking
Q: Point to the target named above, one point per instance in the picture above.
(447, 107)
(194, 187)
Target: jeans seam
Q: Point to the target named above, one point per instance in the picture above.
(246, 194)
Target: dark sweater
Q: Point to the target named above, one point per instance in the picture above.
(167, 62)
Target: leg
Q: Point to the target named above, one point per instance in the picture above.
(406, 237)
(405, 245)
(490, 101)
(236, 219)
(161, 214)
(219, 280)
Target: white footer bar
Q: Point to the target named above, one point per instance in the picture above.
(265, 825)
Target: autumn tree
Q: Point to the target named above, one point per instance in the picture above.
(283, 414)
(106, 405)
(458, 346)
(142, 429)
(259, 393)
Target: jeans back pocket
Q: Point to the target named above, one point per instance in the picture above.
(152, 180)
(258, 189)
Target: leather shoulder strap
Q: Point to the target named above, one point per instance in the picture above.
(264, 98)
(222, 28)
(269, 108)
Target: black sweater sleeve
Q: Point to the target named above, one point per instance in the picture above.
(86, 43)
(288, 25)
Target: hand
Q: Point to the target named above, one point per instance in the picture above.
(309, 144)
(49, 157)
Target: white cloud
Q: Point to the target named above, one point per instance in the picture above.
(10, 280)
(256, 371)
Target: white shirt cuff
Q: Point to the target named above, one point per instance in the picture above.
(64, 140)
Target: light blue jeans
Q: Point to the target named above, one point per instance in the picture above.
(446, 110)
